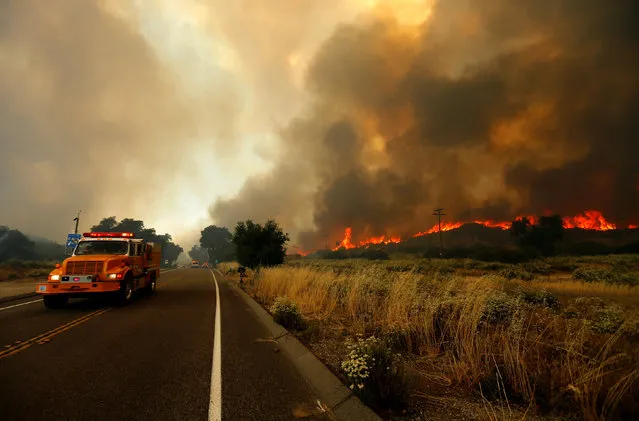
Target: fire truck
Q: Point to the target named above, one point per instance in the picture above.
(104, 263)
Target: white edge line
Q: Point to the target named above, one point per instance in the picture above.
(21, 304)
(215, 402)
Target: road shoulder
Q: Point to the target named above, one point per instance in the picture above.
(336, 397)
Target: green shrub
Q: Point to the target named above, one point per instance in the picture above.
(591, 275)
(445, 270)
(286, 313)
(536, 266)
(493, 266)
(570, 312)
(608, 320)
(586, 306)
(514, 273)
(614, 276)
(374, 373)
(603, 318)
(539, 298)
(499, 309)
(563, 265)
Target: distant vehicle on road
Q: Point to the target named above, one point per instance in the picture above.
(112, 263)
(195, 264)
(205, 265)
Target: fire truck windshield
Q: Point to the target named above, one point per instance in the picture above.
(102, 247)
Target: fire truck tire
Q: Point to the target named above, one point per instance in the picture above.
(55, 301)
(125, 294)
(150, 289)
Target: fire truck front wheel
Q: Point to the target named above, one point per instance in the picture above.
(55, 301)
(150, 288)
(125, 294)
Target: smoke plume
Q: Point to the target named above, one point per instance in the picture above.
(90, 117)
(489, 109)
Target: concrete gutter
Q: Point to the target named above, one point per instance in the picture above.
(342, 404)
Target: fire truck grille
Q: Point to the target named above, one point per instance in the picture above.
(83, 268)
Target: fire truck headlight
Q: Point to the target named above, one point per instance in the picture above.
(115, 276)
(54, 277)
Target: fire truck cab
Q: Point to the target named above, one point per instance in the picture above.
(104, 263)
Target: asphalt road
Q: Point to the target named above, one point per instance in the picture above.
(151, 360)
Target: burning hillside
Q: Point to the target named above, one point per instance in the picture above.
(346, 243)
(589, 220)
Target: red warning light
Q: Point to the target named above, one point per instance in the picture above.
(108, 234)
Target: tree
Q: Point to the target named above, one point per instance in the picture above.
(48, 250)
(15, 245)
(170, 250)
(105, 225)
(218, 243)
(520, 227)
(131, 225)
(198, 253)
(259, 245)
(541, 236)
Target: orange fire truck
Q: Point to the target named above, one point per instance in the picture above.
(112, 263)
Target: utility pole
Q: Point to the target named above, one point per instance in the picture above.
(77, 221)
(439, 214)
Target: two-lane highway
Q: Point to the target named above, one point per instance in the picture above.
(151, 360)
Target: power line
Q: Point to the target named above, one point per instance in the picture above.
(439, 213)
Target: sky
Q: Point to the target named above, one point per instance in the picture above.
(320, 114)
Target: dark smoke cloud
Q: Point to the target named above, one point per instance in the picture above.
(492, 109)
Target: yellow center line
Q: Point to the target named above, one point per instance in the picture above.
(14, 349)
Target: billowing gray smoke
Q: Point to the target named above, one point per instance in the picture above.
(90, 116)
(492, 109)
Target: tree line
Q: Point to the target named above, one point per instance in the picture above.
(170, 250)
(15, 245)
(250, 244)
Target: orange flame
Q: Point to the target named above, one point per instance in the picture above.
(633, 227)
(346, 243)
(446, 226)
(589, 220)
(380, 240)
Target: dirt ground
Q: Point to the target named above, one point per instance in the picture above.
(18, 287)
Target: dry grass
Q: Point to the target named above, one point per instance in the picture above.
(476, 333)
(228, 267)
(17, 269)
(230, 270)
(622, 294)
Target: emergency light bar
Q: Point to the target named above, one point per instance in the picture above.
(108, 234)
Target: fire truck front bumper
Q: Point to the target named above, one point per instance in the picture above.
(78, 289)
